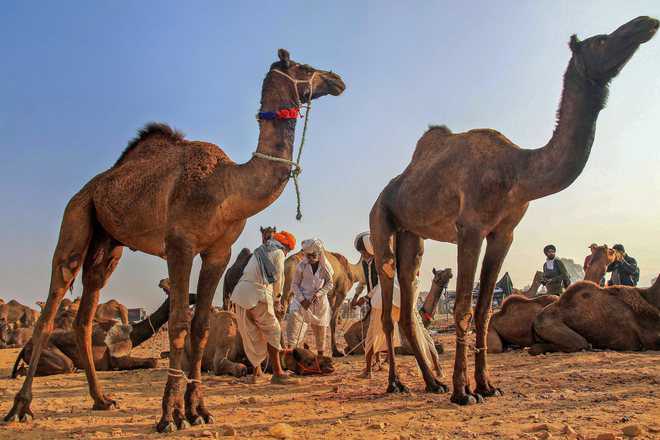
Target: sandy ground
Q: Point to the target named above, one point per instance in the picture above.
(593, 393)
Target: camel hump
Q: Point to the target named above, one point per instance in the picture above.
(439, 129)
(343, 261)
(149, 130)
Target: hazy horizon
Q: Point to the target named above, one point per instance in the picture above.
(80, 78)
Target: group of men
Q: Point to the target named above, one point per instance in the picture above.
(624, 269)
(256, 299)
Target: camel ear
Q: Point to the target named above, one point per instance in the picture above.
(574, 44)
(434, 271)
(284, 57)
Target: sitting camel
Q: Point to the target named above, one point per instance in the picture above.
(15, 335)
(587, 315)
(111, 342)
(112, 310)
(15, 313)
(224, 352)
(512, 326)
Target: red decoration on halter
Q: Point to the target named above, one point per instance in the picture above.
(288, 113)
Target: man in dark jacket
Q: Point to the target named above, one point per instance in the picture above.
(624, 269)
(555, 276)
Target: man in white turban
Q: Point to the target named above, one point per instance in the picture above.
(312, 281)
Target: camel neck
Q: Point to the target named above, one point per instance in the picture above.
(263, 180)
(555, 166)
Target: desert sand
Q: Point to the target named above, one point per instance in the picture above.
(551, 396)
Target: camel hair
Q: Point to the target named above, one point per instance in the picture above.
(175, 199)
(463, 188)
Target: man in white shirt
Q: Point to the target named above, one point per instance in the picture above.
(256, 296)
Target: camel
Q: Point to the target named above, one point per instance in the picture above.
(477, 185)
(15, 335)
(513, 325)
(533, 288)
(345, 276)
(601, 258)
(173, 198)
(438, 285)
(112, 342)
(224, 353)
(589, 316)
(15, 313)
(233, 276)
(109, 311)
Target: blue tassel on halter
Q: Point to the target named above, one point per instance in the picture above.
(269, 116)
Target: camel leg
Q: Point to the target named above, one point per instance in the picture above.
(339, 298)
(68, 257)
(382, 235)
(556, 335)
(102, 258)
(410, 248)
(179, 264)
(213, 265)
(469, 246)
(498, 243)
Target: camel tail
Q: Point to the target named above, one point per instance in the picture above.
(14, 371)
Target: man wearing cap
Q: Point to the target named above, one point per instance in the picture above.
(256, 296)
(624, 269)
(555, 276)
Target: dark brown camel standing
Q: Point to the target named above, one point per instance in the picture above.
(466, 187)
(173, 198)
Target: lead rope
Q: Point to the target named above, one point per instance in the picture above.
(173, 372)
(297, 169)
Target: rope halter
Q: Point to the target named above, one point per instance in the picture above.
(297, 169)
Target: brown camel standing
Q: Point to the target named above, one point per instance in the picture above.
(173, 198)
(466, 187)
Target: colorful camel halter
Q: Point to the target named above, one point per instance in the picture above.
(291, 113)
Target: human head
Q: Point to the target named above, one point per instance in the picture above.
(312, 248)
(619, 248)
(550, 251)
(593, 247)
(364, 246)
(286, 239)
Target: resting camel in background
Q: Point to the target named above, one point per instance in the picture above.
(111, 342)
(224, 354)
(173, 198)
(512, 325)
(465, 188)
(589, 316)
(17, 314)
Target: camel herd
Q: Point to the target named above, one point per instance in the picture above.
(175, 198)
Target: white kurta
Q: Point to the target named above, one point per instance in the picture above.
(313, 287)
(255, 313)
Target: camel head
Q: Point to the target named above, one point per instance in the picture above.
(601, 57)
(293, 79)
(303, 361)
(41, 305)
(441, 277)
(267, 232)
(602, 257)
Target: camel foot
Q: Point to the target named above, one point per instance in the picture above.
(396, 386)
(489, 391)
(437, 387)
(21, 411)
(196, 412)
(337, 353)
(165, 426)
(105, 404)
(466, 397)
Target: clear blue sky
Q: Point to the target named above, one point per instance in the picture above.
(78, 78)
